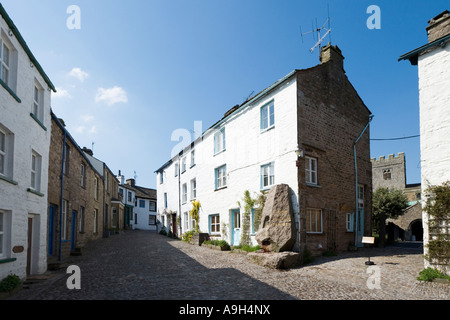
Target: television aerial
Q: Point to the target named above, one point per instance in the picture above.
(317, 33)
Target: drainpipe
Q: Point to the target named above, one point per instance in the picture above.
(179, 196)
(356, 178)
(62, 191)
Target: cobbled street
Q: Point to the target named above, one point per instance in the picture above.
(142, 265)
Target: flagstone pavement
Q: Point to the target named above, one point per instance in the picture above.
(143, 265)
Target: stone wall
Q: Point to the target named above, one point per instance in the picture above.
(331, 116)
(77, 194)
(389, 172)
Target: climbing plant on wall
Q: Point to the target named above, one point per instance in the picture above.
(256, 204)
(195, 214)
(438, 209)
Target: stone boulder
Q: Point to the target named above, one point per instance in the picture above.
(276, 260)
(277, 227)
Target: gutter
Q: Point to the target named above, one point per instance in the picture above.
(61, 199)
(412, 56)
(24, 45)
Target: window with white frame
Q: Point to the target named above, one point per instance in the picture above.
(82, 218)
(38, 102)
(8, 64)
(314, 220)
(192, 158)
(2, 152)
(267, 175)
(184, 189)
(311, 170)
(152, 206)
(219, 141)
(95, 220)
(66, 159)
(36, 161)
(186, 221)
(151, 219)
(64, 220)
(183, 165)
(165, 200)
(83, 175)
(161, 177)
(193, 189)
(177, 168)
(221, 177)
(349, 221)
(6, 152)
(214, 223)
(5, 58)
(267, 116)
(2, 235)
(5, 234)
(96, 188)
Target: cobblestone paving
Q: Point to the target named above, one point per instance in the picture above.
(140, 265)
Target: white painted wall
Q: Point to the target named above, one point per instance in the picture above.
(434, 84)
(141, 216)
(247, 148)
(15, 200)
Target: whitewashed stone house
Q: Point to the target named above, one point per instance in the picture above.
(433, 61)
(25, 125)
(300, 131)
(140, 204)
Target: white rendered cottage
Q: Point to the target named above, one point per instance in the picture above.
(433, 61)
(301, 131)
(25, 124)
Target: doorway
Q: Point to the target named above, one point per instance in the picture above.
(417, 230)
(235, 227)
(30, 245)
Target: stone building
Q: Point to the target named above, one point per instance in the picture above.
(25, 129)
(433, 61)
(83, 198)
(75, 198)
(304, 131)
(112, 209)
(390, 173)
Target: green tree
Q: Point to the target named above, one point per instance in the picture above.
(387, 204)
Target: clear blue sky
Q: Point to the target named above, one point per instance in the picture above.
(137, 70)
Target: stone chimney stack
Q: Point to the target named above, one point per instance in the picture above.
(88, 151)
(439, 26)
(333, 54)
(131, 182)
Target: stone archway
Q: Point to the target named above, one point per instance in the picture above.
(416, 230)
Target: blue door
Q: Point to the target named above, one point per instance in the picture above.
(74, 230)
(51, 231)
(235, 227)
